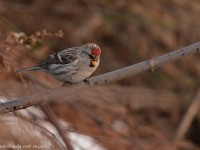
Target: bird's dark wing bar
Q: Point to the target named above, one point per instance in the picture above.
(64, 57)
(51, 59)
(68, 56)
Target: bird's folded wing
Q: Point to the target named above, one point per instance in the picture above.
(64, 57)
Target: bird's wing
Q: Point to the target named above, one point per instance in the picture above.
(68, 56)
(64, 57)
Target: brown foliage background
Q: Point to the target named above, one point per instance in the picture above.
(142, 112)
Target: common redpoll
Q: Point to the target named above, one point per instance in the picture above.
(70, 65)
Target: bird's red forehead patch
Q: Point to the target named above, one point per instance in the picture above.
(95, 51)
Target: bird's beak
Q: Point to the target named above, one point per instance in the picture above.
(94, 62)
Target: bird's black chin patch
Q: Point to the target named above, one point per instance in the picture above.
(91, 64)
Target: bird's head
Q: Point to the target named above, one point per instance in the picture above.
(93, 51)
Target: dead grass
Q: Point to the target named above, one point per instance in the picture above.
(137, 113)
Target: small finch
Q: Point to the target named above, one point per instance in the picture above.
(70, 65)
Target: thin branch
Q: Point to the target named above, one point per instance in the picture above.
(188, 118)
(52, 117)
(40, 98)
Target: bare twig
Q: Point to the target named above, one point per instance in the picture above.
(188, 118)
(52, 117)
(36, 99)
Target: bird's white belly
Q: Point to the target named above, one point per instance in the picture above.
(76, 76)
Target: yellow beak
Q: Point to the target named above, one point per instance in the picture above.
(94, 62)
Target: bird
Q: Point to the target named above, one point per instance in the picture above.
(71, 65)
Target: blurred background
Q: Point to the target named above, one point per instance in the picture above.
(142, 112)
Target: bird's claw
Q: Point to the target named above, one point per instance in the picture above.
(66, 84)
(87, 81)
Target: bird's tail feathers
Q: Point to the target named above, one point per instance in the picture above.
(29, 69)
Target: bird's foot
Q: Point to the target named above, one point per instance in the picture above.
(66, 84)
(87, 81)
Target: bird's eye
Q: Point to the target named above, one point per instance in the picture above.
(90, 56)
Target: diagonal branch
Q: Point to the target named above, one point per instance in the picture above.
(39, 98)
(188, 118)
(53, 119)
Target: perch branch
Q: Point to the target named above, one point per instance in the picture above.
(40, 98)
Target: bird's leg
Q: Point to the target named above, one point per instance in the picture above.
(66, 84)
(87, 80)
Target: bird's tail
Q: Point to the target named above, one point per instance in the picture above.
(29, 69)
